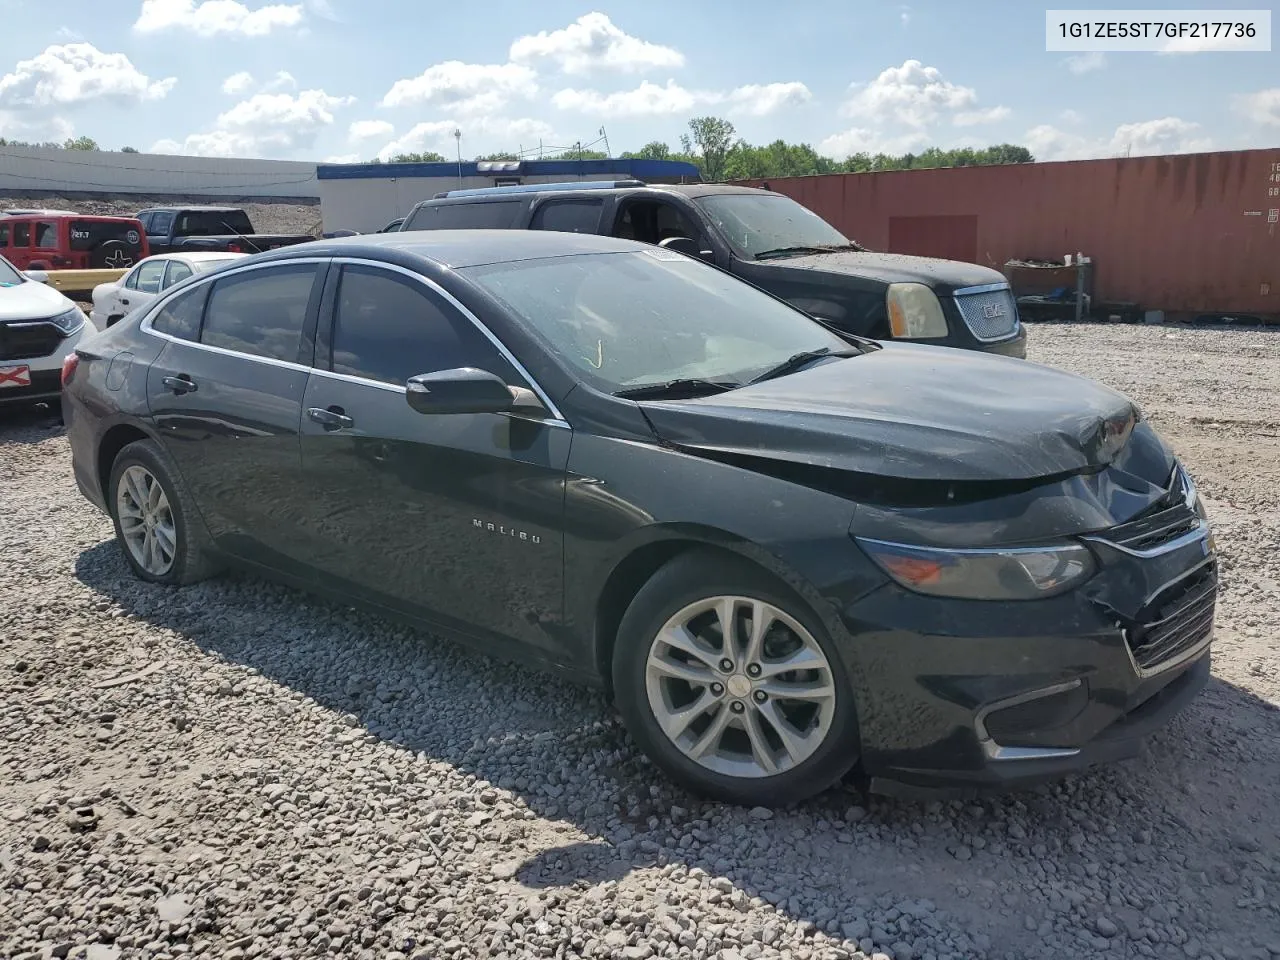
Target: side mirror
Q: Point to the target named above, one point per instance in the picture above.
(462, 390)
(686, 246)
(39, 276)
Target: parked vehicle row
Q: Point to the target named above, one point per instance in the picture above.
(783, 548)
(208, 229)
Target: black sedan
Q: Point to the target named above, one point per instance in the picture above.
(782, 550)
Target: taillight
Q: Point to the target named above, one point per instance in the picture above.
(234, 248)
(69, 364)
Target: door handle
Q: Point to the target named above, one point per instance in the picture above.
(181, 384)
(331, 418)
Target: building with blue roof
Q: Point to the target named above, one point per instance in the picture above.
(367, 196)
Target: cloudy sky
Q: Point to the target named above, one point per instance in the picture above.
(353, 79)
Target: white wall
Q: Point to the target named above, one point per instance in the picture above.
(82, 171)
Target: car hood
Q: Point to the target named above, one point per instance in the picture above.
(911, 412)
(31, 301)
(945, 275)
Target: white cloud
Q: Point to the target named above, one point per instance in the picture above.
(369, 129)
(1144, 138)
(35, 127)
(760, 100)
(593, 42)
(465, 88)
(972, 118)
(651, 99)
(904, 15)
(1071, 116)
(78, 73)
(344, 158)
(1086, 62)
(911, 94)
(648, 99)
(266, 124)
(491, 133)
(283, 80)
(209, 18)
(1206, 44)
(1261, 107)
(237, 83)
(861, 140)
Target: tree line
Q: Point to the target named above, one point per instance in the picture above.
(713, 146)
(71, 143)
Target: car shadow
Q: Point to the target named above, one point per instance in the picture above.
(29, 424)
(982, 865)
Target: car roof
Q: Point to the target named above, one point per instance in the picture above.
(691, 190)
(460, 248)
(62, 215)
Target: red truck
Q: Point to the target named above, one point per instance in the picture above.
(70, 241)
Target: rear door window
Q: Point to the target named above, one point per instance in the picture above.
(22, 234)
(178, 271)
(261, 312)
(180, 316)
(150, 276)
(490, 215)
(4, 234)
(568, 216)
(389, 328)
(46, 235)
(212, 223)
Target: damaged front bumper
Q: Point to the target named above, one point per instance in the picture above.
(978, 694)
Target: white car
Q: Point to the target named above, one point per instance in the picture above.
(147, 280)
(38, 328)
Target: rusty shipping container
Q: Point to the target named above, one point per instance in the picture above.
(1187, 234)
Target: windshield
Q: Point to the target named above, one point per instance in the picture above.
(758, 223)
(631, 319)
(8, 274)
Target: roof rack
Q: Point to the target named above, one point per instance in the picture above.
(540, 187)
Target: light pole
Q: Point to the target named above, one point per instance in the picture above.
(457, 136)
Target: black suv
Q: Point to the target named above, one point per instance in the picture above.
(768, 240)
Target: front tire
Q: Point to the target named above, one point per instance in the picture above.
(159, 532)
(760, 713)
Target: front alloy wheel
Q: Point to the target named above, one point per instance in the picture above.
(730, 684)
(740, 687)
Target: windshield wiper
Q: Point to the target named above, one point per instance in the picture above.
(804, 358)
(690, 387)
(807, 248)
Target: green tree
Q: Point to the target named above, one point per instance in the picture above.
(80, 143)
(500, 155)
(714, 138)
(653, 150)
(428, 157)
(128, 150)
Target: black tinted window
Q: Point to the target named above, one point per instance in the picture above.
(180, 317)
(261, 312)
(212, 223)
(47, 235)
(568, 216)
(21, 234)
(465, 216)
(161, 224)
(388, 327)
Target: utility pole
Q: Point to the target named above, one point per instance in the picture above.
(607, 151)
(457, 136)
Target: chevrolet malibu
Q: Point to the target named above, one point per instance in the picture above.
(783, 551)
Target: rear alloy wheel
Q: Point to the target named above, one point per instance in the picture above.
(736, 693)
(159, 533)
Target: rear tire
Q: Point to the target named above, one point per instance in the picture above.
(159, 531)
(777, 727)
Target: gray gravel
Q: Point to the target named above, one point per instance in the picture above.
(236, 771)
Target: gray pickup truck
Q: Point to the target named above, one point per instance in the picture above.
(768, 240)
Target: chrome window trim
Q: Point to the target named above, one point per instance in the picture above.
(996, 752)
(981, 288)
(556, 417)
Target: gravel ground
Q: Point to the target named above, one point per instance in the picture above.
(236, 771)
(292, 218)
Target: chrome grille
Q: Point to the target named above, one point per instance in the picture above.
(1176, 620)
(992, 314)
(1169, 518)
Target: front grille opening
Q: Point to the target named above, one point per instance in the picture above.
(28, 342)
(1177, 619)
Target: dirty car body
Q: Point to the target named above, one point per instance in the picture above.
(1013, 573)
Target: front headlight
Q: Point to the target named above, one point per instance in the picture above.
(914, 312)
(1008, 573)
(70, 321)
